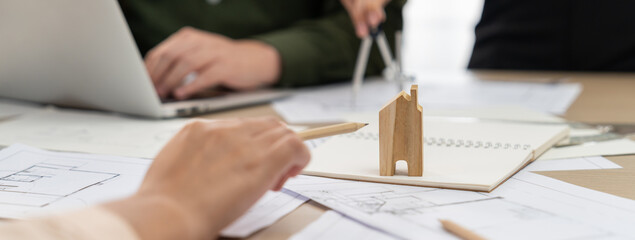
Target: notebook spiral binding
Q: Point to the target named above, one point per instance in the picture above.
(448, 142)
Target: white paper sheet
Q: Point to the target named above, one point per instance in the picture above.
(607, 215)
(515, 210)
(605, 148)
(90, 132)
(271, 207)
(10, 108)
(584, 163)
(333, 226)
(36, 182)
(328, 104)
(502, 113)
(542, 97)
(391, 208)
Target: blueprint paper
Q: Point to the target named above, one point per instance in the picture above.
(35, 182)
(514, 210)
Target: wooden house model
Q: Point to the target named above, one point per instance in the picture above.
(401, 134)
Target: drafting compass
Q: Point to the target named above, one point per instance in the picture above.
(392, 72)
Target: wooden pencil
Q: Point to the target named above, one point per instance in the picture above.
(459, 231)
(330, 130)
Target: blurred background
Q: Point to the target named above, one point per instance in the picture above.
(438, 37)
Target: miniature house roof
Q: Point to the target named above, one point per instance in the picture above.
(402, 94)
(405, 96)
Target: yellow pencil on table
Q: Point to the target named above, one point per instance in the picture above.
(330, 130)
(459, 231)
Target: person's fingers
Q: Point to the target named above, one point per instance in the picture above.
(358, 15)
(347, 4)
(365, 14)
(361, 29)
(182, 34)
(294, 171)
(285, 153)
(253, 127)
(297, 169)
(153, 56)
(280, 183)
(161, 58)
(189, 62)
(375, 13)
(258, 126)
(209, 77)
(272, 135)
(166, 62)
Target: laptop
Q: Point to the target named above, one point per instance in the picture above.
(79, 53)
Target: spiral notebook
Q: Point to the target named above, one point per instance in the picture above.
(470, 156)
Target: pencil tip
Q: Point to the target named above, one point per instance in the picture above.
(365, 124)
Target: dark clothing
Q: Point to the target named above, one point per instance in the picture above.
(315, 38)
(576, 35)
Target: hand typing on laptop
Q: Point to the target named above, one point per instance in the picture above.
(210, 60)
(240, 45)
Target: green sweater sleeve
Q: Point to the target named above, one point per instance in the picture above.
(324, 49)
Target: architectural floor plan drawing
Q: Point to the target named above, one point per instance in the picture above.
(513, 211)
(394, 200)
(34, 181)
(383, 206)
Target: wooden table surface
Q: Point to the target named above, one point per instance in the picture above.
(605, 98)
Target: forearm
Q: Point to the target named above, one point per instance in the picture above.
(166, 215)
(92, 223)
(132, 218)
(157, 217)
